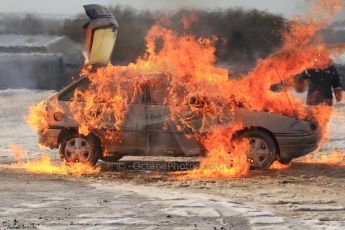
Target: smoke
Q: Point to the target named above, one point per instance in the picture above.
(243, 36)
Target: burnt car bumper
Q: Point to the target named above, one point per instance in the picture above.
(49, 138)
(294, 146)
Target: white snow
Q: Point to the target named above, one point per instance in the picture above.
(16, 40)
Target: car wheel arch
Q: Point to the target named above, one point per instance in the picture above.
(68, 131)
(65, 132)
(240, 132)
(260, 160)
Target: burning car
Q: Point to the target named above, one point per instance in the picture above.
(147, 128)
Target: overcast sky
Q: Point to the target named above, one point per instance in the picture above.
(287, 8)
(71, 7)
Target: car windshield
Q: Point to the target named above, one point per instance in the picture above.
(67, 94)
(150, 93)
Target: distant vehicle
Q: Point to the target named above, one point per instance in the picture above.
(148, 130)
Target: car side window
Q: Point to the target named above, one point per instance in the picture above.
(68, 94)
(146, 93)
(158, 92)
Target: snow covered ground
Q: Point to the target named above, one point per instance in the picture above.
(336, 129)
(14, 130)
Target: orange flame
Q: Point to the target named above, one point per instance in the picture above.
(277, 165)
(188, 19)
(17, 152)
(323, 10)
(44, 165)
(225, 158)
(37, 118)
(186, 67)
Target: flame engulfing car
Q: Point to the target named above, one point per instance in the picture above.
(148, 129)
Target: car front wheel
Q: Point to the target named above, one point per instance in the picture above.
(79, 148)
(285, 161)
(262, 149)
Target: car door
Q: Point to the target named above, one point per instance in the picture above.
(163, 136)
(132, 136)
(132, 132)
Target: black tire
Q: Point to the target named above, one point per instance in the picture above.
(285, 161)
(94, 151)
(113, 158)
(266, 145)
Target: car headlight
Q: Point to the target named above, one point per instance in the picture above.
(313, 125)
(58, 116)
(300, 127)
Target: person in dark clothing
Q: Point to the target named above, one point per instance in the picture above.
(322, 84)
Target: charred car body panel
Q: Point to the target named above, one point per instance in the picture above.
(148, 129)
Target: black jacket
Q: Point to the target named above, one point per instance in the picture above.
(321, 83)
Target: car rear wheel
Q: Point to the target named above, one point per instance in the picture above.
(79, 148)
(262, 149)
